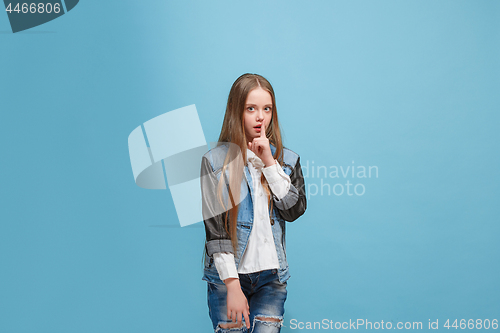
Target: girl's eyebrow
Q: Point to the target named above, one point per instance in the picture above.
(270, 105)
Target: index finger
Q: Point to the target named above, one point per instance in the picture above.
(263, 130)
(247, 320)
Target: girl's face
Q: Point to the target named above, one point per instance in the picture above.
(258, 110)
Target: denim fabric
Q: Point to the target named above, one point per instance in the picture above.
(266, 297)
(216, 158)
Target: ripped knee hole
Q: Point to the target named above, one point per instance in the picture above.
(262, 318)
(231, 325)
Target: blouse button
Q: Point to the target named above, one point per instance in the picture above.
(272, 221)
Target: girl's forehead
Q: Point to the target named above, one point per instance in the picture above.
(259, 95)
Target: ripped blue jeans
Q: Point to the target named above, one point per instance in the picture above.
(266, 298)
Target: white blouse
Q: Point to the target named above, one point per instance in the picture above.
(260, 253)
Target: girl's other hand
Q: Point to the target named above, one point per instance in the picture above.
(237, 303)
(260, 147)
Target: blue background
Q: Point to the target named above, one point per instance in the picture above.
(408, 86)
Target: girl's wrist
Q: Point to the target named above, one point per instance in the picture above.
(232, 283)
(269, 162)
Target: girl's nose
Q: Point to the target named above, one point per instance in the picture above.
(260, 114)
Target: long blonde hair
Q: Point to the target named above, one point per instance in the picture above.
(233, 131)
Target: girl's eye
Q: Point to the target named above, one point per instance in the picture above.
(251, 109)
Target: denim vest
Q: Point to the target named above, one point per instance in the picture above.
(245, 218)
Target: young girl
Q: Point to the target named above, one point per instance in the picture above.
(251, 185)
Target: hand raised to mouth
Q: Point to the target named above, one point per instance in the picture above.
(260, 146)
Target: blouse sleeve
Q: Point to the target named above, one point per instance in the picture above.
(224, 262)
(278, 180)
